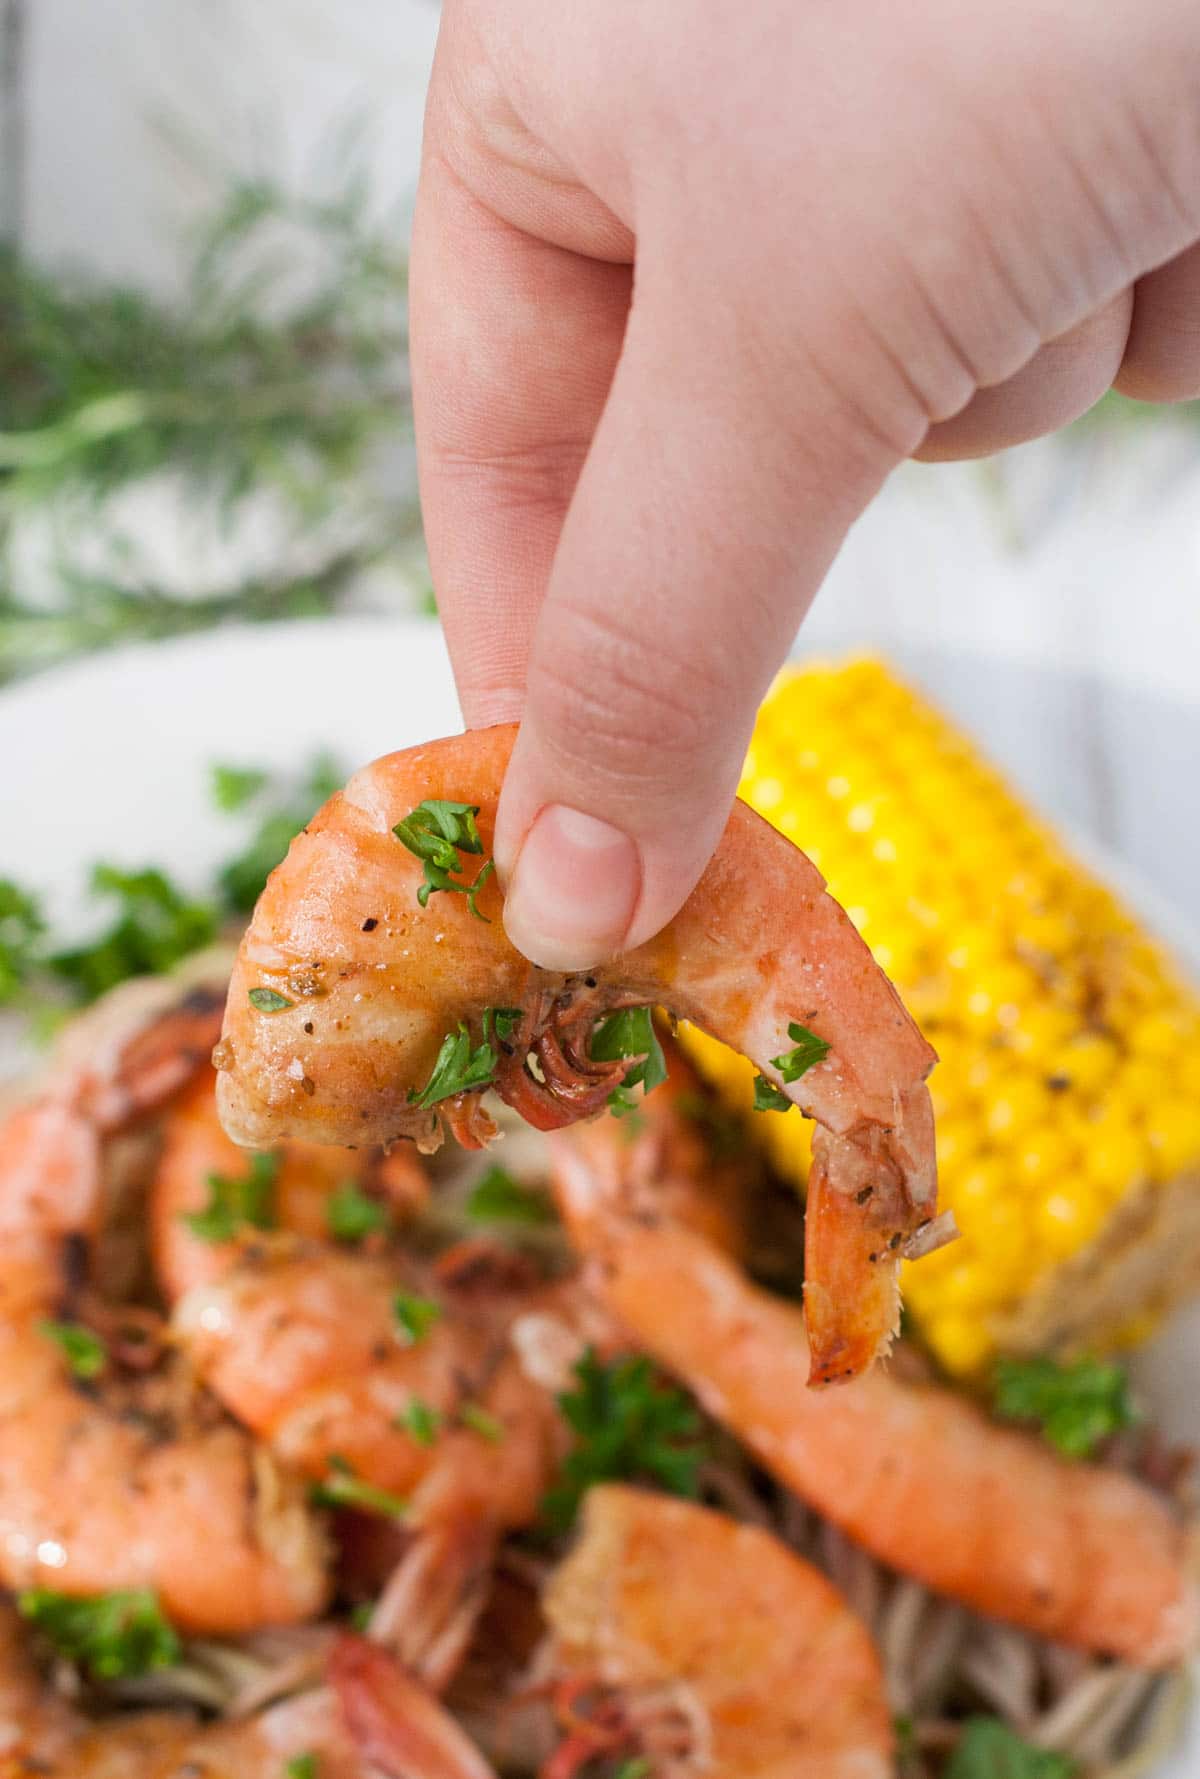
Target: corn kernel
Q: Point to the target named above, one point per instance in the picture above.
(963, 1343)
(1069, 1217)
(1071, 1048)
(1173, 1132)
(1116, 1154)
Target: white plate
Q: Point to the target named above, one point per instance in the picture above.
(109, 759)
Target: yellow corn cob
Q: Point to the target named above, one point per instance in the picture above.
(1068, 1094)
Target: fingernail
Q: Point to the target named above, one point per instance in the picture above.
(573, 890)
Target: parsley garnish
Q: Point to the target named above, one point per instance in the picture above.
(638, 1768)
(350, 1214)
(809, 1050)
(498, 1198)
(242, 879)
(459, 1067)
(234, 1205)
(437, 832)
(630, 1033)
(988, 1749)
(342, 1488)
(21, 926)
(302, 1766)
(415, 1316)
(361, 1615)
(481, 1422)
(1076, 1405)
(628, 1427)
(423, 1422)
(157, 926)
(233, 786)
(86, 1353)
(112, 1636)
(768, 1097)
(268, 1000)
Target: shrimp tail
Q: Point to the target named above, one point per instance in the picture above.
(396, 1723)
(862, 1214)
(427, 1614)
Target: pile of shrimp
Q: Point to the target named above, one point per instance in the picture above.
(326, 1459)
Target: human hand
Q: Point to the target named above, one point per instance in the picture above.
(861, 233)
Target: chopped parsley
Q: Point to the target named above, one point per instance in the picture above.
(86, 1353)
(282, 813)
(268, 1000)
(415, 1316)
(638, 1768)
(498, 1198)
(628, 1427)
(988, 1749)
(460, 1066)
(342, 1488)
(237, 1204)
(437, 833)
(351, 1215)
(481, 1422)
(421, 1421)
(630, 1033)
(21, 926)
(302, 1766)
(156, 926)
(112, 1635)
(234, 786)
(809, 1050)
(768, 1097)
(1076, 1406)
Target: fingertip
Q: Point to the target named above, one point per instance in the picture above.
(573, 890)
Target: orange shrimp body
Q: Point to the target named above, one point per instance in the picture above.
(740, 1638)
(41, 1733)
(914, 1473)
(307, 1351)
(109, 1484)
(195, 1148)
(356, 986)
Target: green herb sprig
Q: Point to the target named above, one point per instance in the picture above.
(1076, 1405)
(460, 1065)
(808, 1050)
(499, 1198)
(112, 1636)
(628, 1427)
(341, 1487)
(438, 833)
(237, 1203)
(630, 1033)
(351, 1214)
(85, 1352)
(414, 1316)
(988, 1749)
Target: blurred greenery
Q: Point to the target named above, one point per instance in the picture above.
(282, 371)
(277, 383)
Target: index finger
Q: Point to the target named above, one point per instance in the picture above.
(514, 342)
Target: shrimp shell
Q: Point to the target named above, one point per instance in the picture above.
(371, 984)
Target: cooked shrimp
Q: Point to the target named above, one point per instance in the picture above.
(728, 1654)
(918, 1475)
(106, 1483)
(305, 1348)
(40, 1733)
(195, 1148)
(346, 988)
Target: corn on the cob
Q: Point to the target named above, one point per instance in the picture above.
(1068, 1092)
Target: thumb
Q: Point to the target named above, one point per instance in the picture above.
(707, 512)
